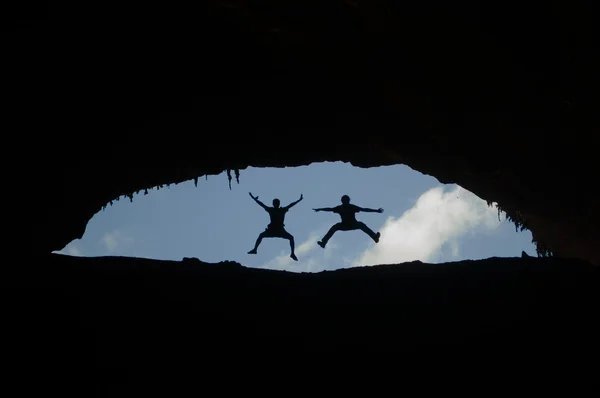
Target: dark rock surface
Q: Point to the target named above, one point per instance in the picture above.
(117, 327)
(104, 99)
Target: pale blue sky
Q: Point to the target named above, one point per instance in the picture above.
(214, 224)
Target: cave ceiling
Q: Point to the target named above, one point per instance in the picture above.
(101, 102)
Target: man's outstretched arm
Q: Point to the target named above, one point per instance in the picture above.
(324, 209)
(367, 210)
(294, 203)
(258, 201)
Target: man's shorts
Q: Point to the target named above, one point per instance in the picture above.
(275, 232)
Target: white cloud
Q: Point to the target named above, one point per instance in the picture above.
(455, 248)
(311, 257)
(116, 241)
(284, 261)
(71, 249)
(74, 251)
(436, 219)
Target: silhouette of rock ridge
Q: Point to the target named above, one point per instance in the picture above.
(126, 325)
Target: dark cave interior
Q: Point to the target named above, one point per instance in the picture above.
(190, 90)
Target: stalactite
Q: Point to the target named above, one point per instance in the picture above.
(229, 178)
(196, 181)
(237, 175)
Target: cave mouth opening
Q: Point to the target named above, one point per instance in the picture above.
(213, 218)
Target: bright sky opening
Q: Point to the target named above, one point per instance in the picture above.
(422, 220)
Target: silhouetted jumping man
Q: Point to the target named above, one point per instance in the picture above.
(276, 228)
(349, 222)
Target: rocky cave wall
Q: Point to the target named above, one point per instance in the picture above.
(107, 101)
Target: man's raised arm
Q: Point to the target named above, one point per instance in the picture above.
(294, 203)
(258, 201)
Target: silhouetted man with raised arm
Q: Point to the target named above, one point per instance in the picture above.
(275, 229)
(349, 222)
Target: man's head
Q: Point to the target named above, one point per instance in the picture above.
(345, 199)
(276, 203)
